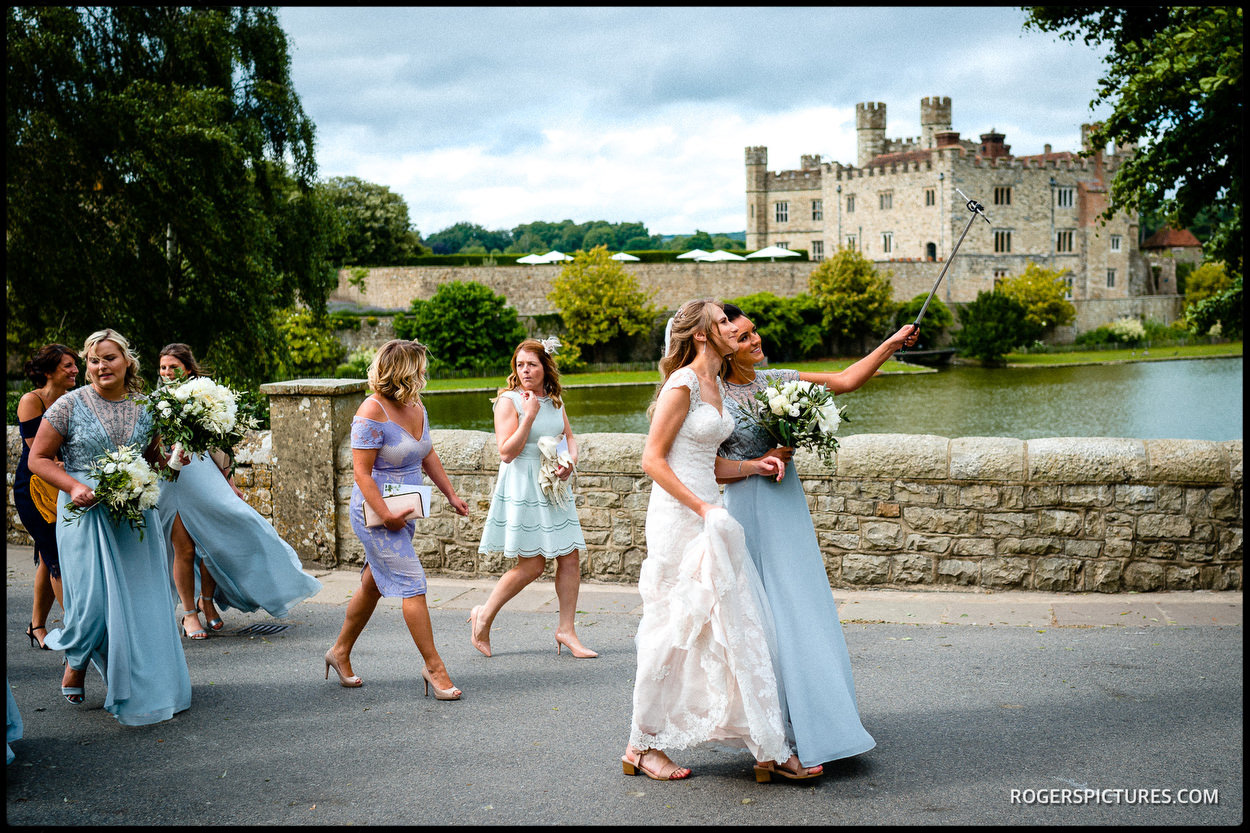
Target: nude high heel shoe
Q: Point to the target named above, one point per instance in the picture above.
(579, 651)
(346, 682)
(452, 693)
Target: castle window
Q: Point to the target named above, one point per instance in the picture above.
(850, 203)
(782, 244)
(1002, 242)
(1000, 275)
(783, 212)
(887, 199)
(1064, 197)
(851, 242)
(887, 242)
(1063, 241)
(1110, 278)
(1068, 294)
(1115, 242)
(818, 209)
(1002, 195)
(818, 250)
(930, 197)
(752, 212)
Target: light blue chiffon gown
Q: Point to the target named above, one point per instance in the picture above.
(254, 568)
(119, 615)
(812, 659)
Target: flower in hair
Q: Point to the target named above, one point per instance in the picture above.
(551, 344)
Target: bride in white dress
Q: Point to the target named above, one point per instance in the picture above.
(705, 673)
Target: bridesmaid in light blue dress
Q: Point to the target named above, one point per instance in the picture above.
(391, 447)
(119, 615)
(525, 522)
(813, 661)
(218, 541)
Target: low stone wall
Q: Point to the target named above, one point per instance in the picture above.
(907, 511)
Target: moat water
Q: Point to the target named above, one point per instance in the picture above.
(1197, 399)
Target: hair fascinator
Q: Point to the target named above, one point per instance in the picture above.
(551, 344)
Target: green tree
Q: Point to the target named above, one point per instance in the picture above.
(855, 302)
(1225, 309)
(1042, 293)
(1173, 79)
(601, 305)
(465, 325)
(310, 347)
(937, 318)
(159, 180)
(993, 325)
(373, 220)
(455, 238)
(788, 327)
(1206, 281)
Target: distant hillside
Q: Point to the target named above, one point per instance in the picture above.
(740, 236)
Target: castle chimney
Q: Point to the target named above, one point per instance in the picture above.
(992, 146)
(946, 138)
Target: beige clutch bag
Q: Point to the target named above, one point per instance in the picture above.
(408, 505)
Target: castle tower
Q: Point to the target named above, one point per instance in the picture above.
(869, 131)
(935, 118)
(757, 196)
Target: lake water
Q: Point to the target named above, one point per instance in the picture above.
(1197, 399)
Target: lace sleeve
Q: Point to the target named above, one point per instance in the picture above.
(58, 414)
(684, 377)
(366, 433)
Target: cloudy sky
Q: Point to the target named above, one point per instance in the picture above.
(502, 116)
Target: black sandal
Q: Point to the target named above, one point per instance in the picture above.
(34, 641)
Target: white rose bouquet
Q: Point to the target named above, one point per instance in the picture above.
(126, 487)
(195, 415)
(800, 415)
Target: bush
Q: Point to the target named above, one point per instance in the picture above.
(855, 302)
(465, 326)
(993, 325)
(1042, 294)
(937, 318)
(789, 327)
(1127, 331)
(1207, 281)
(1222, 313)
(311, 346)
(357, 364)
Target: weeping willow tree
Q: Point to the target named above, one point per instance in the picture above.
(159, 180)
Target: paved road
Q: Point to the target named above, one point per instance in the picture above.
(969, 696)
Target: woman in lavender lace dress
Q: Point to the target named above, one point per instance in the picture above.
(391, 446)
(814, 666)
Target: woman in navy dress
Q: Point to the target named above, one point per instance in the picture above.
(391, 446)
(119, 614)
(53, 371)
(814, 666)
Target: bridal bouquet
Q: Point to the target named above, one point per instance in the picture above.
(126, 487)
(196, 415)
(801, 415)
(555, 453)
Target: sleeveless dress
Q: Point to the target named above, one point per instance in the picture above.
(397, 570)
(43, 532)
(705, 676)
(254, 568)
(815, 667)
(522, 521)
(118, 611)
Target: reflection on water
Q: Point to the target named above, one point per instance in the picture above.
(1197, 399)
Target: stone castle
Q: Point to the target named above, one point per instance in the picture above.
(898, 204)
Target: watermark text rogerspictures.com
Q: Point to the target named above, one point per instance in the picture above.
(1115, 796)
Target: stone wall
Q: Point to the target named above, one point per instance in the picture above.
(906, 511)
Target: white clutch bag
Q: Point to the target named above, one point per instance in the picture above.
(406, 501)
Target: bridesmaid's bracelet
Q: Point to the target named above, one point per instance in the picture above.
(739, 467)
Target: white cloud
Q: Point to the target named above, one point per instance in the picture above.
(505, 116)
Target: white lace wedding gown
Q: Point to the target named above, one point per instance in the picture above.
(705, 673)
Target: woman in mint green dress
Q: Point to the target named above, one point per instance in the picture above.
(119, 613)
(814, 666)
(533, 516)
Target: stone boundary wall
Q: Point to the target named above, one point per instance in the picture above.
(1073, 514)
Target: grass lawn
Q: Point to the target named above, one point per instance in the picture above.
(1190, 351)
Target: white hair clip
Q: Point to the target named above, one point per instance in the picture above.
(551, 344)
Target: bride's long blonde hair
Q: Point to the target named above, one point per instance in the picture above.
(681, 348)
